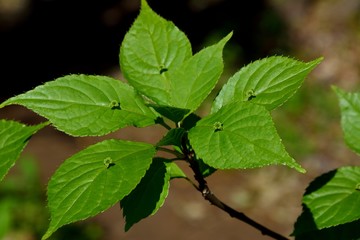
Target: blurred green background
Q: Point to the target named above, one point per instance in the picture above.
(22, 211)
(41, 40)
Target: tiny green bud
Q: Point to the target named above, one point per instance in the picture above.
(250, 94)
(163, 69)
(108, 162)
(218, 126)
(114, 104)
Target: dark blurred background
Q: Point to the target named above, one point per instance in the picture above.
(41, 40)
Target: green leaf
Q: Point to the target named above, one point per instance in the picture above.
(172, 113)
(172, 137)
(190, 121)
(13, 138)
(174, 170)
(239, 135)
(155, 58)
(197, 76)
(205, 169)
(95, 179)
(331, 200)
(350, 117)
(268, 82)
(83, 105)
(148, 196)
(152, 47)
(305, 229)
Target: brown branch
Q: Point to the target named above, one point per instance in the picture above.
(209, 196)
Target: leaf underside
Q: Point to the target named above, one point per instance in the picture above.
(148, 196)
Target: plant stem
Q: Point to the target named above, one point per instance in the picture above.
(177, 154)
(161, 121)
(209, 196)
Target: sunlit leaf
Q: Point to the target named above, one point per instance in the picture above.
(350, 117)
(174, 170)
(152, 47)
(239, 135)
(193, 81)
(334, 197)
(13, 138)
(268, 82)
(95, 179)
(83, 105)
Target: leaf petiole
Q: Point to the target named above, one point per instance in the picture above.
(178, 155)
(161, 121)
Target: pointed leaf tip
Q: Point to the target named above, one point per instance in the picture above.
(227, 37)
(269, 82)
(240, 135)
(14, 136)
(144, 3)
(193, 81)
(151, 48)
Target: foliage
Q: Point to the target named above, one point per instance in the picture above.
(331, 203)
(23, 215)
(166, 84)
